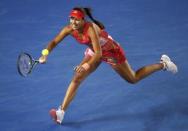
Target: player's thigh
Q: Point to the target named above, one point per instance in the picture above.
(125, 71)
(80, 76)
(94, 66)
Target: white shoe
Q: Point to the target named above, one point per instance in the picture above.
(57, 115)
(60, 115)
(168, 64)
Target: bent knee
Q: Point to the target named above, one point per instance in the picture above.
(78, 78)
(133, 80)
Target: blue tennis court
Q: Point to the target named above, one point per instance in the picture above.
(104, 102)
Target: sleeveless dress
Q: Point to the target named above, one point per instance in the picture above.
(112, 53)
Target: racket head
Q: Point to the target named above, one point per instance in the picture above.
(24, 64)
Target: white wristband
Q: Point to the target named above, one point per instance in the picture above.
(86, 66)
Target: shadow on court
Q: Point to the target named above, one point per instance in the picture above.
(152, 119)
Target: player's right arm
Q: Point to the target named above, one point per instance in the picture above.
(63, 33)
(52, 44)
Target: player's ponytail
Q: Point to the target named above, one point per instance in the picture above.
(87, 12)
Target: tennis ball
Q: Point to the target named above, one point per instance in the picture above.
(45, 52)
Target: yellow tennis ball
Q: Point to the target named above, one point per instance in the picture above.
(45, 52)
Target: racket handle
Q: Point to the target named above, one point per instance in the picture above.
(36, 61)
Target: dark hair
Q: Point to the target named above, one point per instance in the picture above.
(87, 11)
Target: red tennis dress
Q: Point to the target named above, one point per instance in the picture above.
(112, 53)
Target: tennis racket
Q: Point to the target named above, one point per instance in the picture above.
(25, 64)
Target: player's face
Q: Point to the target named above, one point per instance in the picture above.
(76, 23)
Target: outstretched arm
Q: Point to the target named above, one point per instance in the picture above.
(52, 44)
(63, 33)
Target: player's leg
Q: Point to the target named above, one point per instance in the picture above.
(127, 73)
(76, 81)
(78, 77)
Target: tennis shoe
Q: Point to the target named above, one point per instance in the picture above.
(57, 115)
(60, 116)
(168, 64)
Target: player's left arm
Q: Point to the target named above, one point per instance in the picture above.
(95, 44)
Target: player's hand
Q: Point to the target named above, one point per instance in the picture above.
(42, 59)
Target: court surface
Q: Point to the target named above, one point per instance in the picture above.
(104, 102)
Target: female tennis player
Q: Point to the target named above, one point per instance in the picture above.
(100, 47)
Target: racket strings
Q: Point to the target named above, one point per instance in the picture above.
(24, 64)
